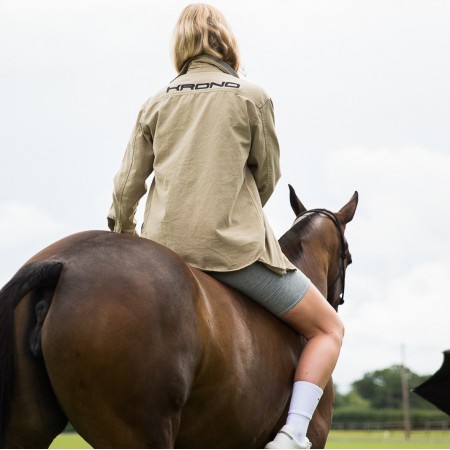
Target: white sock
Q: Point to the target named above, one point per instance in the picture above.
(304, 401)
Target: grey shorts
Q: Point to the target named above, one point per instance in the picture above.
(277, 293)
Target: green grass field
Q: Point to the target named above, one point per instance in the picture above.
(69, 440)
(337, 439)
(388, 439)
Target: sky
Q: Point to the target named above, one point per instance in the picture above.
(362, 102)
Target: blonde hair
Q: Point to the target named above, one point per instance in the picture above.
(202, 29)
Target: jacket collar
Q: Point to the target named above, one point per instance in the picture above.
(208, 59)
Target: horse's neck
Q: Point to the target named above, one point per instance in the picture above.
(309, 262)
(290, 246)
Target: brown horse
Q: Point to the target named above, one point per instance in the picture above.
(135, 348)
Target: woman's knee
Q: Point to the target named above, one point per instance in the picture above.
(329, 326)
(314, 316)
(332, 327)
(337, 330)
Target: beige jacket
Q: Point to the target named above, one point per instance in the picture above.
(209, 139)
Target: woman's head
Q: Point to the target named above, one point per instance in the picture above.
(202, 29)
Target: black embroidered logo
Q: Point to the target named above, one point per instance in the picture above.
(200, 86)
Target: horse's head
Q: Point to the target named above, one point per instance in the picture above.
(316, 244)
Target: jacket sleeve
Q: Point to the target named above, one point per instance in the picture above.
(129, 182)
(264, 157)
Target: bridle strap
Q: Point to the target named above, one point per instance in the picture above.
(343, 245)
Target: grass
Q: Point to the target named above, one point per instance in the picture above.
(69, 440)
(336, 439)
(388, 439)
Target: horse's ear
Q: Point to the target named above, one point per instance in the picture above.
(296, 204)
(347, 212)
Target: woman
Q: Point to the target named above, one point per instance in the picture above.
(209, 139)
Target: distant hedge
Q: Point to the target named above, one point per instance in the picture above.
(363, 417)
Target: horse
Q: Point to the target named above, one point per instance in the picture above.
(119, 336)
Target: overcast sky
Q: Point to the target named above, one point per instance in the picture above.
(362, 102)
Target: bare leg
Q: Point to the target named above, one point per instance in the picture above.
(315, 319)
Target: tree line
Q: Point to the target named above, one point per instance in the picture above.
(376, 398)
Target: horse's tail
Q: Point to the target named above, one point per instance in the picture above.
(31, 276)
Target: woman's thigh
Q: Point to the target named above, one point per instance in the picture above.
(277, 293)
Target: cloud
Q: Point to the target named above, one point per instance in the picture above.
(24, 230)
(402, 216)
(396, 289)
(410, 311)
(21, 223)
